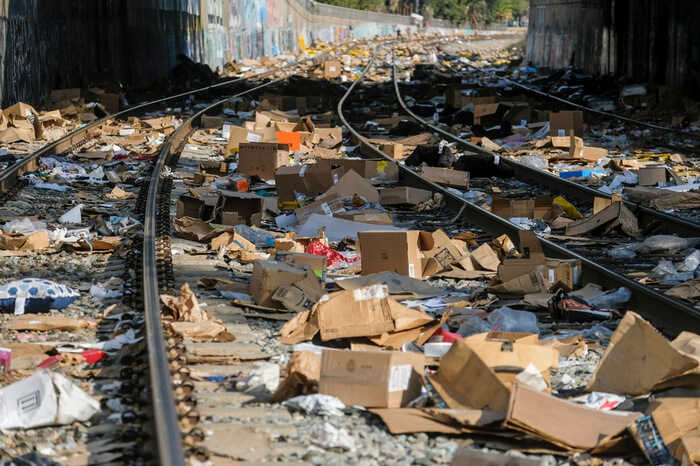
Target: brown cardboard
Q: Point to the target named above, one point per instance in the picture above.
(310, 180)
(209, 171)
(455, 380)
(352, 183)
(399, 286)
(270, 275)
(381, 379)
(532, 256)
(262, 158)
(563, 423)
(328, 205)
(325, 133)
(232, 240)
(509, 353)
(532, 282)
(393, 150)
(413, 420)
(590, 153)
(613, 216)
(203, 208)
(374, 217)
(446, 176)
(540, 207)
(355, 313)
(58, 95)
(566, 271)
(674, 419)
(332, 69)
(561, 123)
(485, 258)
(319, 264)
(404, 195)
(297, 297)
(368, 168)
(631, 368)
(484, 114)
(212, 121)
(238, 135)
(237, 208)
(446, 252)
(651, 176)
(397, 251)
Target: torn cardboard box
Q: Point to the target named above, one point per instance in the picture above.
(270, 275)
(446, 176)
(540, 207)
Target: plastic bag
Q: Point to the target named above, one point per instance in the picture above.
(473, 326)
(663, 244)
(611, 299)
(690, 263)
(333, 257)
(621, 253)
(260, 238)
(505, 319)
(534, 161)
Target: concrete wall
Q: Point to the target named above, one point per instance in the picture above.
(48, 44)
(648, 40)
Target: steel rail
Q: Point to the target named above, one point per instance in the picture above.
(671, 315)
(29, 163)
(168, 434)
(669, 224)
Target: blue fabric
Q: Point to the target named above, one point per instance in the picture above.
(41, 295)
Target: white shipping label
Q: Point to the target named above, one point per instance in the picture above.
(551, 275)
(252, 137)
(496, 159)
(575, 275)
(399, 377)
(226, 131)
(378, 291)
(126, 132)
(335, 178)
(411, 270)
(326, 209)
(561, 133)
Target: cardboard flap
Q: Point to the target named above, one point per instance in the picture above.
(430, 266)
(427, 242)
(629, 367)
(355, 313)
(456, 381)
(562, 422)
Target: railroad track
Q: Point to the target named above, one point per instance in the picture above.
(670, 314)
(131, 378)
(202, 401)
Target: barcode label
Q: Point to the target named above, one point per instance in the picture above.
(252, 137)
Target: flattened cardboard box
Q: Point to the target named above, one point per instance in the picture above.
(446, 176)
(262, 158)
(375, 217)
(404, 195)
(397, 251)
(373, 379)
(355, 313)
